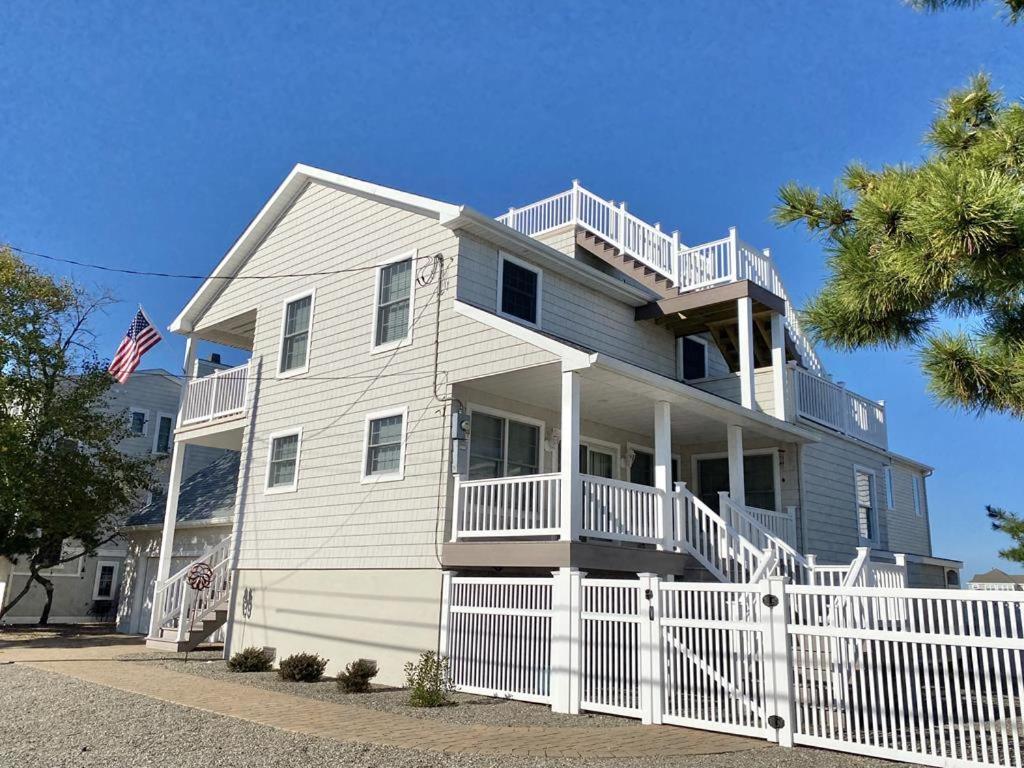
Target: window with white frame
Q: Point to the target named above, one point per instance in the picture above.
(164, 433)
(283, 461)
(519, 290)
(501, 446)
(384, 453)
(867, 518)
(918, 485)
(138, 420)
(106, 580)
(693, 358)
(295, 326)
(392, 312)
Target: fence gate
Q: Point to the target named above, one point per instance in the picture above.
(498, 638)
(712, 650)
(610, 646)
(921, 675)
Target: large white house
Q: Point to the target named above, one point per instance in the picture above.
(563, 389)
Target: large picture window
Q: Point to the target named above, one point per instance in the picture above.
(298, 316)
(500, 446)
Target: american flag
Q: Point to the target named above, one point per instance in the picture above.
(141, 337)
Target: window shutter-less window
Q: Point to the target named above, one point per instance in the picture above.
(295, 341)
(695, 359)
(393, 302)
(865, 502)
(519, 291)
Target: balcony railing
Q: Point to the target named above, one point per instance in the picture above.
(832, 405)
(220, 395)
(508, 506)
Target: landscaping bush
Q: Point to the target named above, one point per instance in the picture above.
(357, 676)
(302, 668)
(250, 659)
(428, 681)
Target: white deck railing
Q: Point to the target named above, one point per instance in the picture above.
(622, 511)
(219, 395)
(527, 505)
(689, 268)
(175, 603)
(832, 405)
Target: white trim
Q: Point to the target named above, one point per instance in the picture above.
(776, 469)
(170, 435)
(572, 358)
(100, 565)
(472, 408)
(606, 447)
(376, 349)
(384, 477)
(502, 258)
(860, 468)
(680, 367)
(311, 294)
(145, 421)
(890, 489)
(267, 489)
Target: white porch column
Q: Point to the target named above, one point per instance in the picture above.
(663, 469)
(745, 333)
(174, 482)
(565, 640)
(569, 448)
(737, 489)
(779, 366)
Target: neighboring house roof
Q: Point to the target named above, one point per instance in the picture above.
(209, 494)
(996, 576)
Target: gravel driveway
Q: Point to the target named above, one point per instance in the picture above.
(53, 721)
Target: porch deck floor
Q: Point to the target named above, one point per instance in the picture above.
(94, 662)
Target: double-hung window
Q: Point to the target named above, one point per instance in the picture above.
(283, 462)
(106, 581)
(384, 446)
(138, 420)
(519, 290)
(867, 518)
(295, 332)
(392, 313)
(501, 446)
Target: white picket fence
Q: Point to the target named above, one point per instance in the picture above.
(926, 676)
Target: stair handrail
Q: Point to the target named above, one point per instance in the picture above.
(793, 563)
(172, 598)
(725, 552)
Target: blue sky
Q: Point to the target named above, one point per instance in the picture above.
(150, 133)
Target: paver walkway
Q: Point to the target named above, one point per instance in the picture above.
(344, 722)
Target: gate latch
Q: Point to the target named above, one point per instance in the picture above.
(770, 600)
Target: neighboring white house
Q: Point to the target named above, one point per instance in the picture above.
(88, 588)
(997, 579)
(431, 390)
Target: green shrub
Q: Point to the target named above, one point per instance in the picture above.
(429, 682)
(302, 668)
(357, 676)
(250, 660)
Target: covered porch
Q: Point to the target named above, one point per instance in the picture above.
(613, 454)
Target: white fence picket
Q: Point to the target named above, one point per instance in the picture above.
(610, 646)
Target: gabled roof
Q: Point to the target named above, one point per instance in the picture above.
(209, 494)
(997, 576)
(447, 214)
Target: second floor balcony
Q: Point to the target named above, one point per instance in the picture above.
(214, 406)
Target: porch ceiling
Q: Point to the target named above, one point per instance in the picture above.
(238, 331)
(608, 397)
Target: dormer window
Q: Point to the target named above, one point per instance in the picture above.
(519, 290)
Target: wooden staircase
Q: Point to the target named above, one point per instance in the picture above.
(643, 274)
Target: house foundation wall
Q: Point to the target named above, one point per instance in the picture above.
(390, 616)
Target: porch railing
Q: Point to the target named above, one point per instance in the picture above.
(508, 506)
(622, 511)
(218, 395)
(832, 405)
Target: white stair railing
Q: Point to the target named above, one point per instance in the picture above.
(790, 562)
(175, 602)
(712, 541)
